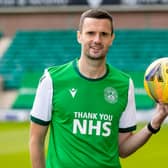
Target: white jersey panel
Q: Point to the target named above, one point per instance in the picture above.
(42, 106)
(128, 118)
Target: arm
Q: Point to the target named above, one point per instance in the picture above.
(40, 118)
(129, 142)
(37, 144)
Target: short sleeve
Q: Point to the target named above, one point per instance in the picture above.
(42, 106)
(128, 118)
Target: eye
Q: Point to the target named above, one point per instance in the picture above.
(90, 33)
(105, 34)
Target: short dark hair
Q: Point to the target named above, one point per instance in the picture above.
(97, 14)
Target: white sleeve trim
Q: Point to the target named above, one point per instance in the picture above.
(128, 118)
(42, 106)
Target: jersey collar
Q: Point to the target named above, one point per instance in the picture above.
(75, 65)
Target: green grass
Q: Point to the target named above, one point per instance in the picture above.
(153, 154)
(14, 152)
(14, 148)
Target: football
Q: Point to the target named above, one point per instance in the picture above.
(156, 80)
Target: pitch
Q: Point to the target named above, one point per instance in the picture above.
(14, 148)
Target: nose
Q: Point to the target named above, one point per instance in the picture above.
(97, 38)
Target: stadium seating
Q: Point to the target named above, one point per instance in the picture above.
(26, 94)
(35, 50)
(32, 51)
(1, 34)
(142, 100)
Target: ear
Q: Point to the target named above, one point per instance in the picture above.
(79, 36)
(112, 38)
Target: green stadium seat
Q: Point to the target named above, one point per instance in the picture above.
(36, 50)
(143, 101)
(25, 97)
(1, 34)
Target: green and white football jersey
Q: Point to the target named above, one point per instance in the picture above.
(85, 116)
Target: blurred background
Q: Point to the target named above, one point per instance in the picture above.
(35, 34)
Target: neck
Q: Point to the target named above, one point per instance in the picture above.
(92, 69)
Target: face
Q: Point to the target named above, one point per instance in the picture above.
(95, 38)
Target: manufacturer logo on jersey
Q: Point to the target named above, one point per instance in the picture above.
(110, 95)
(73, 92)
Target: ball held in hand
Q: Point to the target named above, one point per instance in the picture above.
(156, 80)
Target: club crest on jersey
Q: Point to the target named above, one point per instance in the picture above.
(110, 95)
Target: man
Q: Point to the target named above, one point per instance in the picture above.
(89, 106)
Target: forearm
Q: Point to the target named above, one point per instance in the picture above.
(129, 143)
(134, 142)
(37, 154)
(37, 141)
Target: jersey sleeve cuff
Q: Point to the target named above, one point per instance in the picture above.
(128, 129)
(38, 121)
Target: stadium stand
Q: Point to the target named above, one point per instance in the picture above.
(25, 98)
(1, 79)
(1, 34)
(32, 51)
(4, 43)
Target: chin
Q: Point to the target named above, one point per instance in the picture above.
(96, 57)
